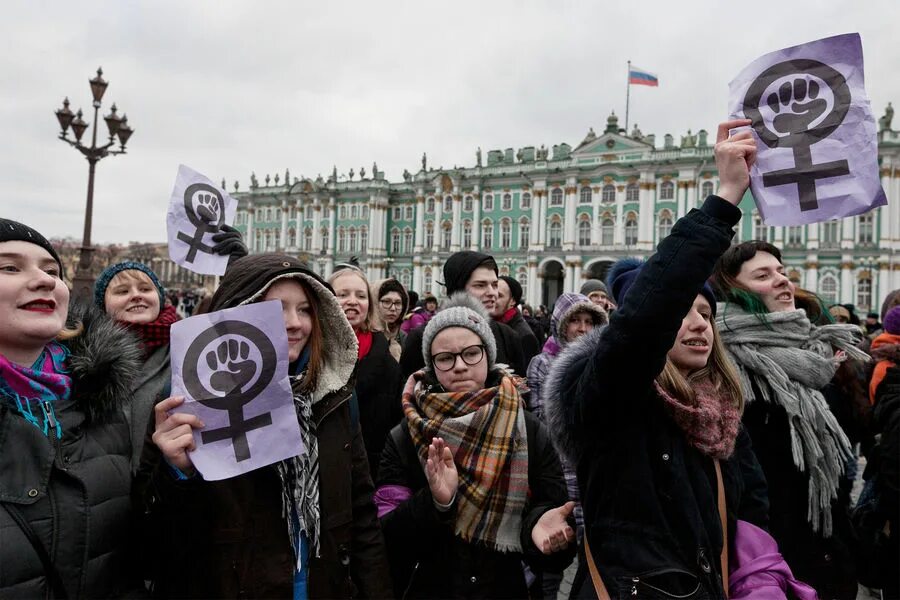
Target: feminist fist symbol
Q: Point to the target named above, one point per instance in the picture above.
(802, 113)
(208, 208)
(207, 217)
(232, 355)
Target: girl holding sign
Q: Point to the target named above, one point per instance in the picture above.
(303, 528)
(65, 481)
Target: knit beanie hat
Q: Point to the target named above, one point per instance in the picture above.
(461, 310)
(460, 266)
(392, 285)
(13, 231)
(515, 288)
(250, 274)
(129, 265)
(892, 321)
(593, 285)
(622, 274)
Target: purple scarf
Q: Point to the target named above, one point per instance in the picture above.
(33, 391)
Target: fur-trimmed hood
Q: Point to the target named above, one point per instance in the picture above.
(104, 361)
(567, 306)
(558, 407)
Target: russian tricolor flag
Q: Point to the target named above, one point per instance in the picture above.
(638, 76)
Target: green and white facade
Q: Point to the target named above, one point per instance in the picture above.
(553, 217)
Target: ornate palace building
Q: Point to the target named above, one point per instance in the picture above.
(554, 217)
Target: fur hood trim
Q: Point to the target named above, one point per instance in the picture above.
(104, 361)
(559, 407)
(341, 345)
(589, 307)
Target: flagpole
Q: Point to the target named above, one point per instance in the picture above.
(627, 95)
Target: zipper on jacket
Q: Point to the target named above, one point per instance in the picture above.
(51, 420)
(412, 578)
(637, 580)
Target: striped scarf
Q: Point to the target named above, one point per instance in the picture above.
(485, 431)
(300, 477)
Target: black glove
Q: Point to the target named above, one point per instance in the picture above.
(229, 242)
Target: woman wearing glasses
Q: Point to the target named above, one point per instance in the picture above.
(469, 484)
(393, 303)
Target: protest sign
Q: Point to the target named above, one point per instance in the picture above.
(232, 368)
(197, 210)
(814, 128)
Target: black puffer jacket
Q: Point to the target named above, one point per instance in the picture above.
(75, 492)
(429, 561)
(649, 497)
(378, 389)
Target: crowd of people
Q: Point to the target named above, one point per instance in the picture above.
(689, 428)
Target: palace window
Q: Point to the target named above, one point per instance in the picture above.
(507, 202)
(505, 234)
(429, 205)
(586, 195)
(353, 246)
(354, 211)
(309, 211)
(664, 227)
(467, 234)
(706, 190)
(395, 241)
(609, 194)
(446, 235)
(448, 204)
(556, 197)
(276, 239)
(831, 234)
(631, 227)
(632, 193)
(429, 235)
(524, 234)
(795, 235)
(405, 277)
(342, 212)
(828, 289)
(325, 245)
(555, 235)
(408, 239)
(667, 191)
(865, 227)
(522, 277)
(607, 231)
(363, 239)
(364, 211)
(409, 213)
(487, 235)
(307, 239)
(467, 204)
(526, 201)
(292, 238)
(488, 203)
(864, 293)
(584, 232)
(426, 283)
(395, 213)
(760, 231)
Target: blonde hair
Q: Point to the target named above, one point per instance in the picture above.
(372, 322)
(69, 333)
(719, 370)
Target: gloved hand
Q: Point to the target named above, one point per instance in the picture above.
(229, 242)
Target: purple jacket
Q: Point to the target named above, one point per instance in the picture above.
(416, 320)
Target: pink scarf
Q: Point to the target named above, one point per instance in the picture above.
(710, 424)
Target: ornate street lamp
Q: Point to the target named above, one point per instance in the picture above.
(118, 127)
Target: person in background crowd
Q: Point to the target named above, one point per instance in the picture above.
(302, 528)
(543, 316)
(506, 311)
(65, 482)
(787, 366)
(872, 325)
(574, 315)
(599, 295)
(469, 484)
(412, 304)
(476, 274)
(392, 305)
(536, 328)
(649, 407)
(421, 314)
(840, 314)
(877, 514)
(378, 383)
(130, 292)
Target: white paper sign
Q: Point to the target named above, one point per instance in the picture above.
(197, 210)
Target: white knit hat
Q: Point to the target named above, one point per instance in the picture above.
(461, 310)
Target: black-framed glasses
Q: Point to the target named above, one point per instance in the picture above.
(388, 304)
(471, 355)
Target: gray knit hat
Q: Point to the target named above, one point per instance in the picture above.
(593, 285)
(461, 310)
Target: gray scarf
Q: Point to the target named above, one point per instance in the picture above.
(790, 361)
(300, 477)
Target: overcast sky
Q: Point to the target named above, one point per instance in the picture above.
(233, 87)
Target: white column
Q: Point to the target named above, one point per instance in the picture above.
(534, 287)
(884, 282)
(595, 225)
(438, 215)
(435, 276)
(420, 225)
(645, 212)
(284, 220)
(846, 294)
(418, 277)
(812, 273)
(812, 238)
(317, 227)
(535, 241)
(457, 221)
(569, 225)
(251, 234)
(477, 199)
(779, 237)
(682, 190)
(332, 218)
(619, 228)
(542, 222)
(569, 277)
(576, 275)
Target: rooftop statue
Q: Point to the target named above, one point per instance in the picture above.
(688, 141)
(884, 123)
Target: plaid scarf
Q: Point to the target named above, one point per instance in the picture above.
(155, 333)
(485, 431)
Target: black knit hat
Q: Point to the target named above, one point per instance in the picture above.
(460, 266)
(13, 231)
(515, 288)
(248, 275)
(392, 285)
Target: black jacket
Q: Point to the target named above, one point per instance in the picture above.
(650, 498)
(527, 339)
(509, 350)
(378, 390)
(429, 561)
(75, 492)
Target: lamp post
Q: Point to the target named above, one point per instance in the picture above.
(118, 127)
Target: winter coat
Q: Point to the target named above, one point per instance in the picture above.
(527, 339)
(418, 319)
(378, 390)
(152, 384)
(229, 538)
(395, 340)
(536, 328)
(649, 497)
(509, 350)
(429, 561)
(75, 492)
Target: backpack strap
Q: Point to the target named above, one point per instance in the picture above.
(50, 572)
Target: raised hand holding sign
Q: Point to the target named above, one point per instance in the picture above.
(232, 368)
(198, 211)
(818, 157)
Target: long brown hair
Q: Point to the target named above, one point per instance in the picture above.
(719, 370)
(316, 342)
